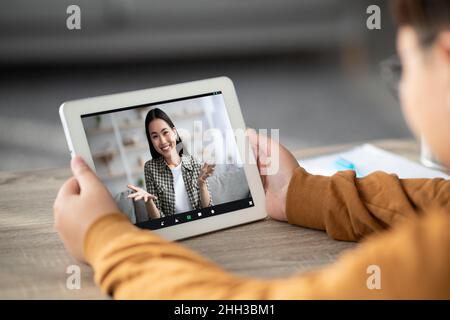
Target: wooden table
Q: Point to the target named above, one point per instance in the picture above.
(33, 261)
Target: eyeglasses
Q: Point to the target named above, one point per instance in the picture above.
(391, 73)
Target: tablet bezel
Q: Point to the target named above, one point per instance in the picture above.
(71, 112)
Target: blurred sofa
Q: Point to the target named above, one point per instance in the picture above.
(229, 183)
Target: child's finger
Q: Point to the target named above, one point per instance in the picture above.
(261, 146)
(252, 137)
(81, 171)
(69, 188)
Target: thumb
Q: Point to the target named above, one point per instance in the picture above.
(253, 139)
(259, 143)
(83, 173)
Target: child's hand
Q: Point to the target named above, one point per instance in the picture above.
(275, 185)
(80, 202)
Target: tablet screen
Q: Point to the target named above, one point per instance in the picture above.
(169, 162)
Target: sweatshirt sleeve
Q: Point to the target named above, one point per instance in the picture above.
(349, 208)
(130, 263)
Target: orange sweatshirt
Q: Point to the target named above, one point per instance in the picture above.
(412, 258)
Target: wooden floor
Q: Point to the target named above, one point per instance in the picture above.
(33, 261)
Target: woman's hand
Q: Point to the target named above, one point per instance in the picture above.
(206, 171)
(140, 194)
(80, 202)
(276, 184)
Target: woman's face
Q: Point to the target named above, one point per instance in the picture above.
(163, 137)
(425, 90)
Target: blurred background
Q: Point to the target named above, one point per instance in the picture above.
(309, 68)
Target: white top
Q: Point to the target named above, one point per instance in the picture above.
(182, 203)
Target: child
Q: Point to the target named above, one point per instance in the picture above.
(408, 219)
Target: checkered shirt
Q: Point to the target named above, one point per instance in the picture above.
(159, 182)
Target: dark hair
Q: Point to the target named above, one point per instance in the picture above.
(158, 114)
(427, 17)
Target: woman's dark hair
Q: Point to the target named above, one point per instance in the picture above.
(158, 114)
(427, 17)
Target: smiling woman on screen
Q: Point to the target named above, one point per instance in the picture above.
(175, 182)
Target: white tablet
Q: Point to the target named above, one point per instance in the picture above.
(150, 147)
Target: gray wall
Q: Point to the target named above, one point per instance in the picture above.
(308, 68)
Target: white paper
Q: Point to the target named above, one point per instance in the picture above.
(367, 159)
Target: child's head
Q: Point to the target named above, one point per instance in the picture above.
(423, 44)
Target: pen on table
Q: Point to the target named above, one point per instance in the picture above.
(344, 164)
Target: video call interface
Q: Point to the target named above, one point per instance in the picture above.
(169, 162)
